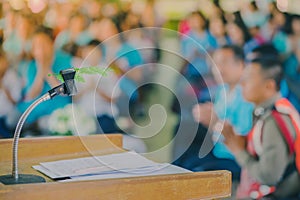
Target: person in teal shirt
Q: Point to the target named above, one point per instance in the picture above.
(234, 110)
(38, 82)
(195, 46)
(229, 105)
(76, 33)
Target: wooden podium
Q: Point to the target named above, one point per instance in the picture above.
(32, 151)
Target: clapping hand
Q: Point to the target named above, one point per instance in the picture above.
(204, 114)
(234, 142)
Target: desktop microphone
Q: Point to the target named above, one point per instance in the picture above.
(68, 88)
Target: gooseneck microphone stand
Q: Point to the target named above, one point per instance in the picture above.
(67, 88)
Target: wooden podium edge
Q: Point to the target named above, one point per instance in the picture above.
(200, 185)
(30, 148)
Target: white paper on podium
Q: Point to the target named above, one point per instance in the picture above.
(126, 164)
(162, 169)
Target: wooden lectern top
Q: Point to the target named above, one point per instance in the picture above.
(32, 151)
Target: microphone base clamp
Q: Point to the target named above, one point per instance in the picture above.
(22, 179)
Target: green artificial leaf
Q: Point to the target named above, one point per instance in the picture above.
(79, 78)
(83, 70)
(57, 76)
(92, 70)
(102, 72)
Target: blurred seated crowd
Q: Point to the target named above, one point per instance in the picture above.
(36, 46)
(248, 28)
(216, 48)
(219, 49)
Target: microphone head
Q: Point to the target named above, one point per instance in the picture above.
(70, 86)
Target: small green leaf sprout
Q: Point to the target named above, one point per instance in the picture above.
(81, 71)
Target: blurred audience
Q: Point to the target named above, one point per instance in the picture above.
(101, 92)
(76, 33)
(218, 32)
(18, 44)
(228, 105)
(10, 95)
(45, 61)
(258, 32)
(266, 155)
(194, 46)
(75, 28)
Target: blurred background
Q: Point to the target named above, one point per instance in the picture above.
(41, 37)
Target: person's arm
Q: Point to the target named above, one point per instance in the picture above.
(51, 80)
(6, 92)
(205, 114)
(118, 70)
(36, 87)
(41, 77)
(186, 53)
(270, 166)
(105, 96)
(11, 86)
(9, 96)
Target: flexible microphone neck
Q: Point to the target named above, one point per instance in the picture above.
(68, 88)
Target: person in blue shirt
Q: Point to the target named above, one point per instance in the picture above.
(10, 93)
(218, 32)
(229, 105)
(124, 58)
(289, 87)
(17, 45)
(196, 45)
(38, 82)
(76, 33)
(132, 59)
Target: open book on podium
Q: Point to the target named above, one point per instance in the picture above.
(65, 159)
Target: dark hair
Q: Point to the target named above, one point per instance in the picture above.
(97, 44)
(254, 5)
(237, 51)
(239, 22)
(71, 48)
(294, 18)
(45, 30)
(266, 50)
(287, 27)
(271, 68)
(94, 42)
(1, 38)
(118, 20)
(216, 3)
(200, 14)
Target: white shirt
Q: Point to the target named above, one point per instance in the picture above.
(13, 85)
(90, 99)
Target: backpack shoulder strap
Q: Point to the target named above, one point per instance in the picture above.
(284, 131)
(291, 168)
